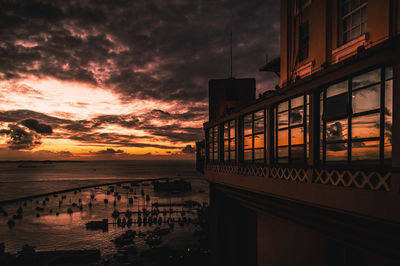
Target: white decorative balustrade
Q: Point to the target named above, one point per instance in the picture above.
(361, 179)
(372, 180)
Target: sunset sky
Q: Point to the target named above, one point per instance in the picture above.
(82, 80)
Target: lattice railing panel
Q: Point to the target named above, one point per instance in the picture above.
(290, 174)
(253, 171)
(372, 180)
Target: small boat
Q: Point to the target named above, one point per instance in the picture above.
(11, 223)
(115, 214)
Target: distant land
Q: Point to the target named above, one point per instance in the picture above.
(44, 161)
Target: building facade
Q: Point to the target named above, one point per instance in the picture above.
(308, 174)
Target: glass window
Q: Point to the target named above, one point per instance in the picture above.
(336, 107)
(230, 141)
(254, 136)
(354, 19)
(366, 79)
(388, 116)
(366, 99)
(213, 143)
(365, 151)
(365, 126)
(303, 41)
(292, 140)
(356, 135)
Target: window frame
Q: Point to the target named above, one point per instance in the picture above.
(349, 141)
(305, 125)
(230, 139)
(349, 14)
(211, 144)
(304, 41)
(253, 134)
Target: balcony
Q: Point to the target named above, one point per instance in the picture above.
(365, 192)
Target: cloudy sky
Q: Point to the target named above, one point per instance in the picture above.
(122, 79)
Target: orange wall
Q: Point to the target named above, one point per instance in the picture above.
(320, 35)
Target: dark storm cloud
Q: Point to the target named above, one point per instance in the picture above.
(188, 149)
(110, 151)
(18, 138)
(34, 125)
(164, 50)
(85, 130)
(118, 140)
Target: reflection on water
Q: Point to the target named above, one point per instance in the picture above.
(47, 225)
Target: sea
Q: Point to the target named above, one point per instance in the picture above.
(46, 231)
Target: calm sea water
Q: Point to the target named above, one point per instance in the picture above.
(38, 178)
(67, 231)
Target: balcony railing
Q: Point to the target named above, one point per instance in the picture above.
(355, 178)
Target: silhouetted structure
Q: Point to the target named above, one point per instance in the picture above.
(308, 174)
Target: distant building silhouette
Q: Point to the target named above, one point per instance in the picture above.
(308, 173)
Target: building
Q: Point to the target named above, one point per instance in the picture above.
(308, 173)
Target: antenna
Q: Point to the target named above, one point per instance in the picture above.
(231, 56)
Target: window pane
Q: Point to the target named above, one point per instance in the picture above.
(283, 119)
(364, 14)
(346, 36)
(336, 107)
(297, 153)
(226, 156)
(233, 156)
(215, 156)
(366, 150)
(216, 133)
(297, 136)
(366, 126)
(247, 125)
(216, 147)
(226, 145)
(297, 116)
(259, 125)
(232, 129)
(210, 135)
(363, 28)
(226, 130)
(283, 137)
(367, 79)
(248, 155)
(389, 72)
(210, 152)
(259, 141)
(283, 153)
(347, 24)
(388, 118)
(248, 142)
(337, 88)
(283, 106)
(366, 99)
(259, 154)
(296, 102)
(356, 18)
(336, 152)
(354, 4)
(336, 130)
(355, 32)
(232, 143)
(259, 114)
